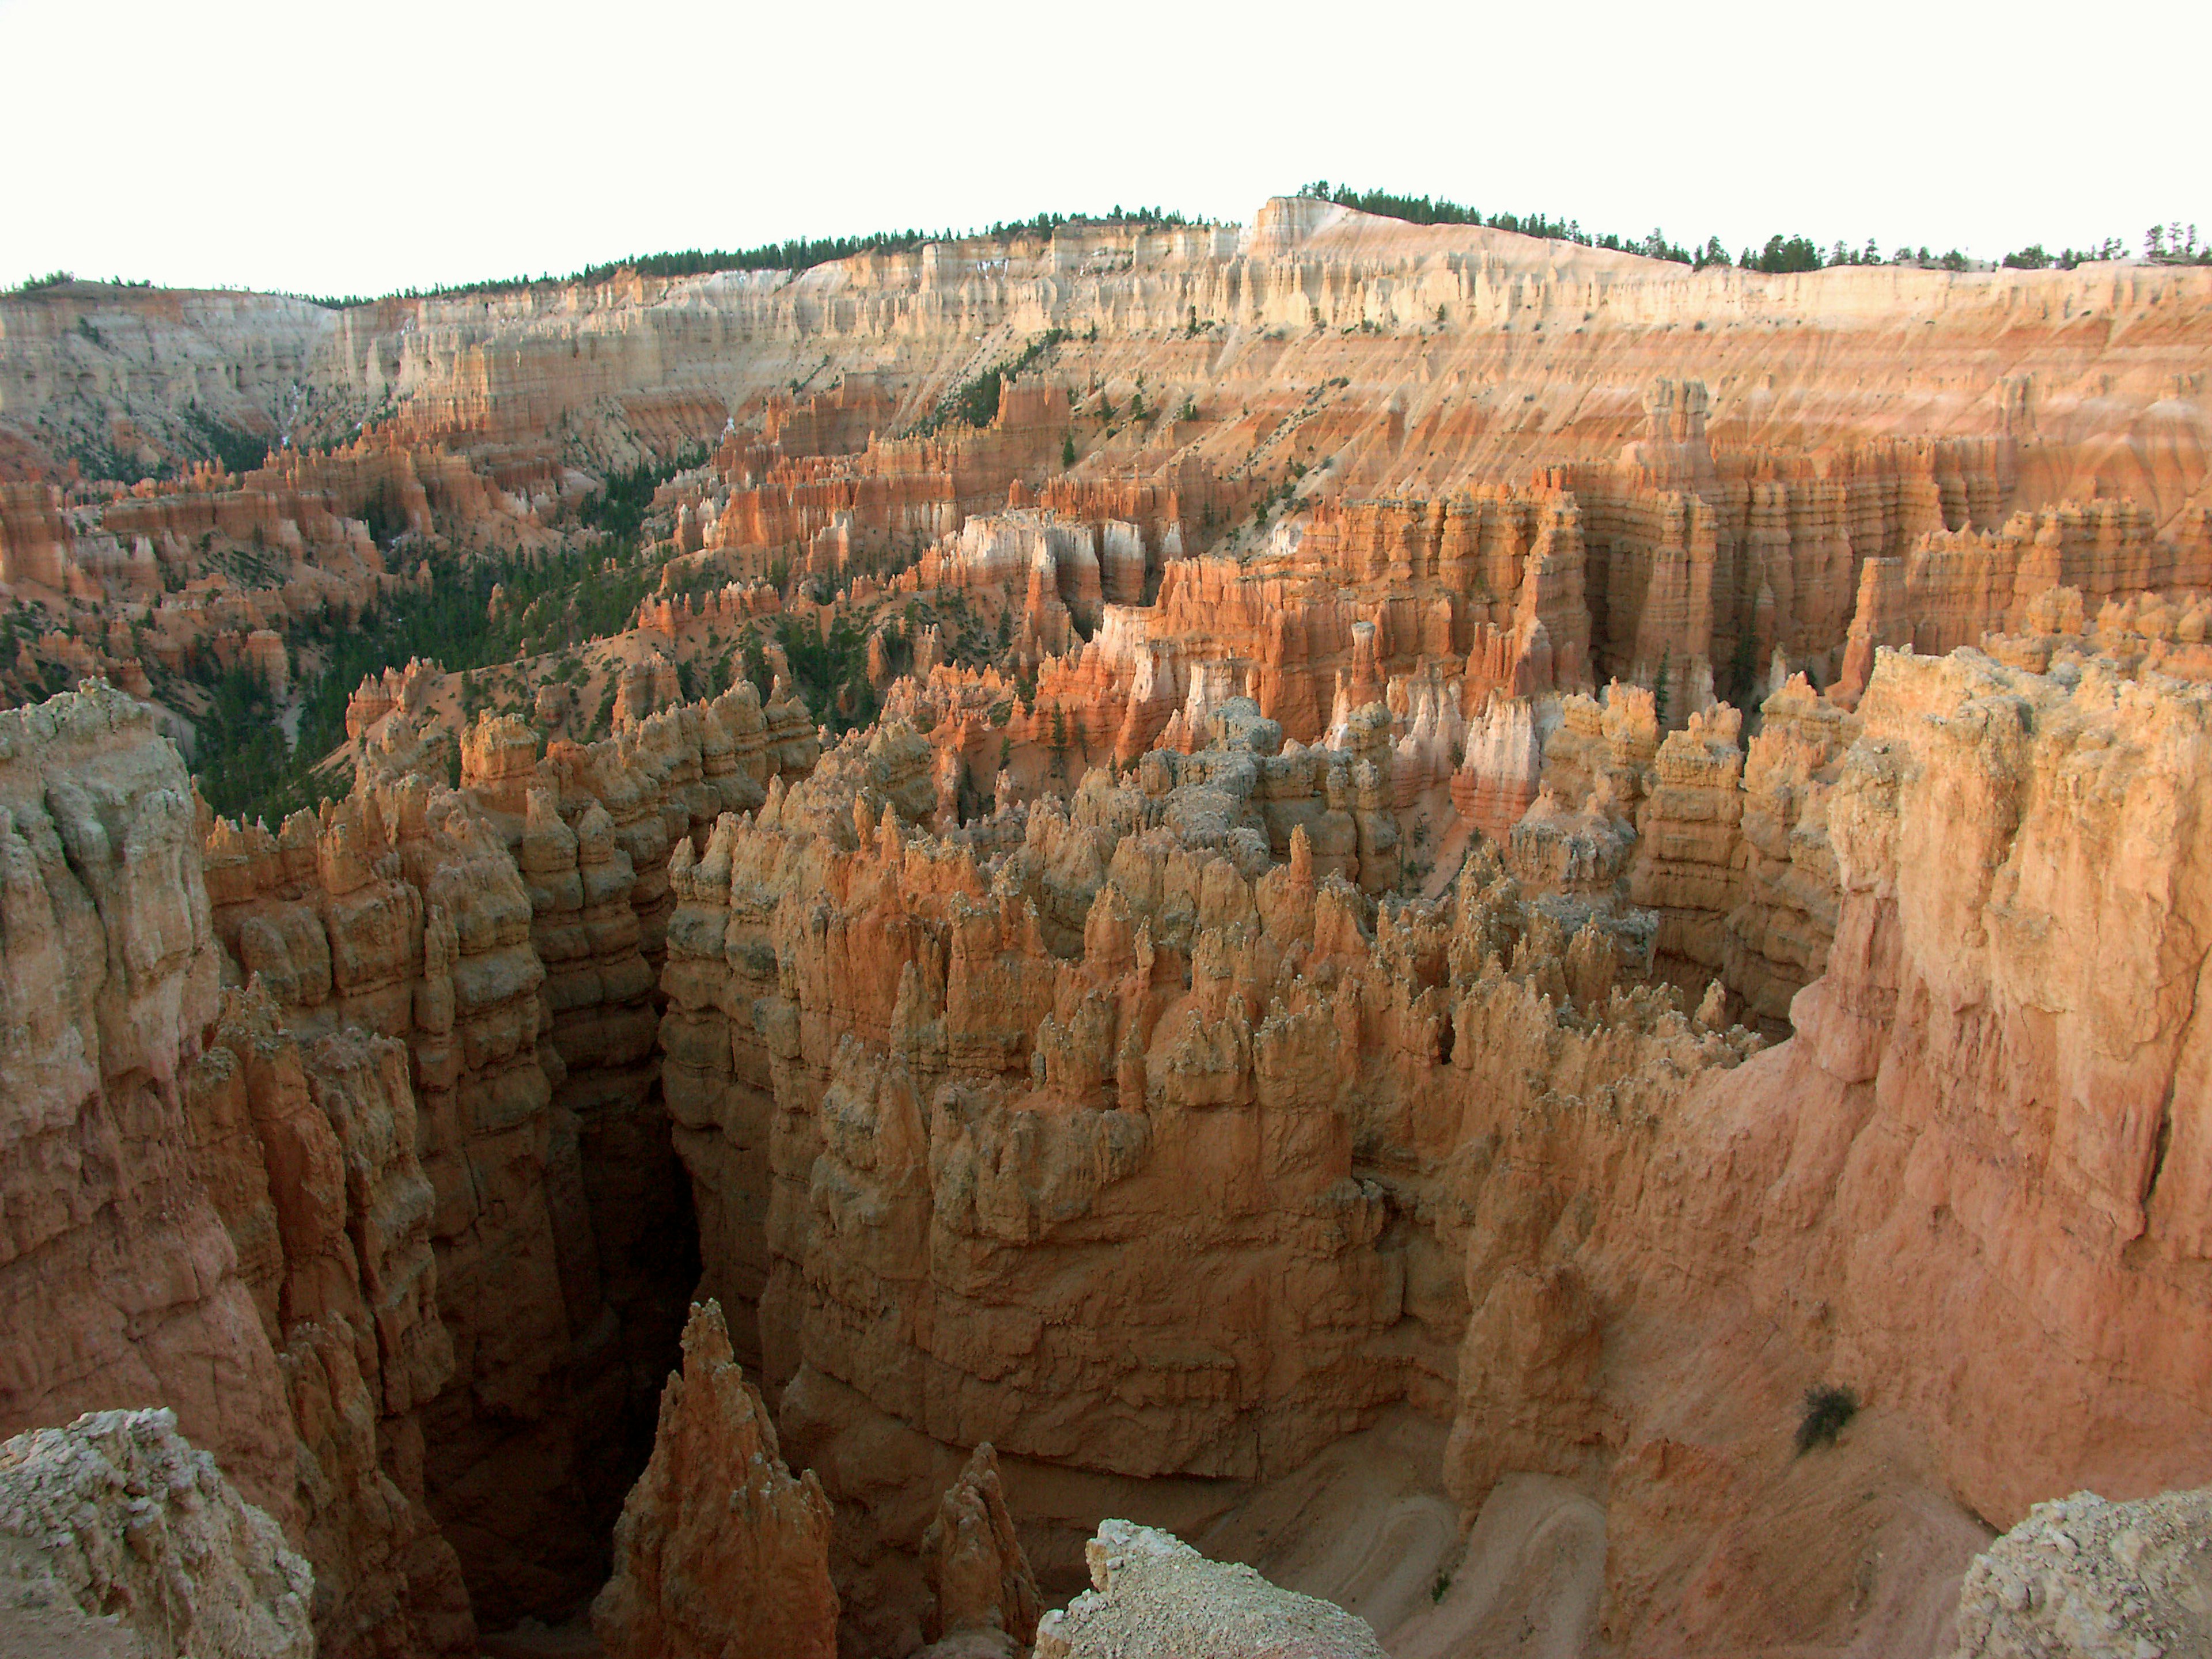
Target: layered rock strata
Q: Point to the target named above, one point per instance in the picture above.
(119, 1284)
(955, 1079)
(309, 1156)
(985, 1596)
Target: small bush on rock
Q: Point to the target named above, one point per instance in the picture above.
(1826, 1410)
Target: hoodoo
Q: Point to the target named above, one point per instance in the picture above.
(1332, 937)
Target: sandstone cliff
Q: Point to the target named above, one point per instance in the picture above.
(117, 1282)
(309, 1156)
(977, 1574)
(971, 1083)
(1362, 718)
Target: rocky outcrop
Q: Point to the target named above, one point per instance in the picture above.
(400, 910)
(117, 1537)
(978, 1576)
(2024, 1009)
(1161, 1126)
(967, 1080)
(1153, 1595)
(721, 1553)
(1688, 841)
(1775, 942)
(2087, 1579)
(969, 1085)
(240, 1230)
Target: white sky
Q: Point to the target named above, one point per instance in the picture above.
(359, 148)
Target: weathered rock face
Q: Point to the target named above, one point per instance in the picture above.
(241, 1230)
(2084, 1576)
(1165, 1133)
(1809, 359)
(1153, 1595)
(400, 910)
(977, 1574)
(2021, 1012)
(310, 1158)
(1776, 941)
(719, 1554)
(117, 1537)
(118, 1285)
(951, 1096)
(988, 1096)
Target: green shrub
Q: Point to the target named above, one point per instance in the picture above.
(1827, 1409)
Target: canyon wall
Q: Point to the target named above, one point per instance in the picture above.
(960, 1106)
(1417, 355)
(114, 1252)
(989, 1096)
(1389, 896)
(204, 1216)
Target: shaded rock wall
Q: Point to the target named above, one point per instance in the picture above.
(309, 1155)
(508, 934)
(117, 1277)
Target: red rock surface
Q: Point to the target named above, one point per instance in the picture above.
(1265, 976)
(719, 1554)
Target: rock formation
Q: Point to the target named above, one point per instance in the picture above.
(1153, 1594)
(118, 1285)
(2080, 1576)
(117, 1537)
(719, 1554)
(977, 1574)
(1259, 770)
(309, 1156)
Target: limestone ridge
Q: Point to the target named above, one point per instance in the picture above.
(719, 1554)
(117, 1537)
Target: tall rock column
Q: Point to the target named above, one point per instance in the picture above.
(721, 1553)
